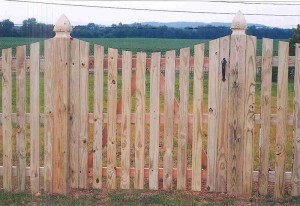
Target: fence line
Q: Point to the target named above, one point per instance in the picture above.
(259, 64)
(231, 118)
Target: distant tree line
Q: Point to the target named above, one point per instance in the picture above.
(29, 28)
(32, 28)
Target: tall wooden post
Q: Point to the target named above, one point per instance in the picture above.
(61, 67)
(236, 105)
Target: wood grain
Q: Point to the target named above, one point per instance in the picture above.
(125, 125)
(198, 121)
(266, 86)
(213, 115)
(290, 118)
(48, 108)
(222, 134)
(249, 115)
(287, 175)
(169, 116)
(74, 113)
(236, 113)
(84, 110)
(21, 119)
(281, 128)
(296, 143)
(60, 161)
(183, 131)
(140, 110)
(154, 121)
(98, 116)
(112, 118)
(34, 118)
(7, 124)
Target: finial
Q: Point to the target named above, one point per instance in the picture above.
(239, 24)
(62, 27)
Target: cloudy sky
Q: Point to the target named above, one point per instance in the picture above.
(17, 11)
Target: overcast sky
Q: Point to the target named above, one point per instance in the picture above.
(81, 15)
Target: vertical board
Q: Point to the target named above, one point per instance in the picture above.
(112, 118)
(154, 120)
(21, 112)
(281, 126)
(60, 161)
(249, 114)
(74, 112)
(222, 134)
(296, 143)
(169, 119)
(198, 121)
(34, 117)
(126, 124)
(140, 121)
(213, 115)
(236, 106)
(266, 87)
(48, 108)
(98, 116)
(84, 111)
(183, 131)
(7, 124)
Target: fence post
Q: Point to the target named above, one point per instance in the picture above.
(61, 77)
(236, 104)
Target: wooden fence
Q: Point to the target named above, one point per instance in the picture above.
(230, 118)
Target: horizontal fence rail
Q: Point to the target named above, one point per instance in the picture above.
(291, 63)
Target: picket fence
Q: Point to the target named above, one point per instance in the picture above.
(231, 118)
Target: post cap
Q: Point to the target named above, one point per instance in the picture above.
(62, 27)
(239, 24)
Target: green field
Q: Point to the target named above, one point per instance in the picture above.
(130, 44)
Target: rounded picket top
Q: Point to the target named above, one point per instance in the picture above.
(239, 24)
(63, 27)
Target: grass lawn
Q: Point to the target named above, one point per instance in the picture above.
(138, 198)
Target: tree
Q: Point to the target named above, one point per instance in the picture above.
(295, 39)
(6, 28)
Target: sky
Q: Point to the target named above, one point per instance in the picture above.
(17, 12)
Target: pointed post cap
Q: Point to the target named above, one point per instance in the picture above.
(239, 24)
(62, 27)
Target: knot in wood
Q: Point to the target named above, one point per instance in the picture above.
(267, 99)
(279, 148)
(124, 143)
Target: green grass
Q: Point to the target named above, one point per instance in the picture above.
(147, 45)
(138, 198)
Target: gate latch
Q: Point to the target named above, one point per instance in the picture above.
(224, 62)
